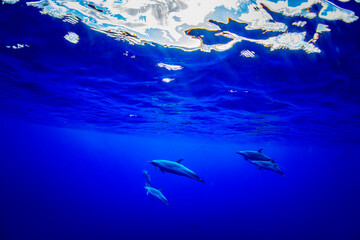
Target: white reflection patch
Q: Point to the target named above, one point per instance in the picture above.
(167, 80)
(72, 37)
(167, 22)
(170, 67)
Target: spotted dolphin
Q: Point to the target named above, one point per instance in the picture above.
(175, 167)
(255, 155)
(155, 194)
(146, 174)
(267, 165)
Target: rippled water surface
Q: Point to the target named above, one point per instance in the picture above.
(247, 91)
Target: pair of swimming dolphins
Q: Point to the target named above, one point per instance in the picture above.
(260, 160)
(174, 167)
(153, 192)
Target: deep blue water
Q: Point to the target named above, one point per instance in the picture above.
(74, 184)
(79, 122)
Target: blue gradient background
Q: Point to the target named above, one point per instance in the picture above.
(71, 157)
(75, 184)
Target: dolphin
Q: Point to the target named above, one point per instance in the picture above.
(175, 168)
(147, 177)
(267, 165)
(155, 193)
(255, 155)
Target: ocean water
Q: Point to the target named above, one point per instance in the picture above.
(85, 105)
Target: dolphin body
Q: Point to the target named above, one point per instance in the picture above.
(155, 193)
(255, 155)
(147, 177)
(175, 168)
(267, 165)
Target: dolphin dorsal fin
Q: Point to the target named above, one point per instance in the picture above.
(160, 189)
(179, 161)
(260, 150)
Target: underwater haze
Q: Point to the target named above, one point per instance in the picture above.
(92, 91)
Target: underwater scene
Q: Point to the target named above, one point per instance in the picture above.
(180, 119)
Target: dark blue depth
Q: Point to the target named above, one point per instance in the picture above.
(71, 184)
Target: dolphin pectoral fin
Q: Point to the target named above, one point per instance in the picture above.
(260, 150)
(179, 161)
(162, 171)
(259, 168)
(160, 189)
(156, 168)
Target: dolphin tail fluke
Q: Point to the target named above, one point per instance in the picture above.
(200, 180)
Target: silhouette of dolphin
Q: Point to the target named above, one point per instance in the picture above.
(155, 193)
(255, 155)
(267, 165)
(175, 168)
(147, 177)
